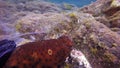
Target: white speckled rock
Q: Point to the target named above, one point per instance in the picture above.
(80, 58)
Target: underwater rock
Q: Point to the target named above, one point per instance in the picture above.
(6, 11)
(94, 8)
(112, 13)
(42, 23)
(6, 29)
(112, 7)
(42, 54)
(92, 37)
(38, 7)
(113, 16)
(78, 57)
(17, 1)
(116, 30)
(97, 42)
(104, 11)
(9, 11)
(95, 29)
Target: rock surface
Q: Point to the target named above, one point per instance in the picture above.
(95, 29)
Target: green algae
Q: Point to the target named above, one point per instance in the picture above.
(109, 57)
(68, 6)
(94, 50)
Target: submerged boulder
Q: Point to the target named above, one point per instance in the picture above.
(98, 42)
(93, 30)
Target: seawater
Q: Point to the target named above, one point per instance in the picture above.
(78, 3)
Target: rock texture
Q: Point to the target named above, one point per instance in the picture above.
(95, 29)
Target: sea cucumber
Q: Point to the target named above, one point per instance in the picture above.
(41, 54)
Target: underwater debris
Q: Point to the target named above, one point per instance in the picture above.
(47, 53)
(6, 48)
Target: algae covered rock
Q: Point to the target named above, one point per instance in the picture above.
(106, 12)
(43, 23)
(38, 7)
(98, 42)
(94, 39)
(94, 29)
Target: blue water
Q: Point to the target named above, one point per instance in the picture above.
(78, 3)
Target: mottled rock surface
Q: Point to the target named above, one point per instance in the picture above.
(93, 30)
